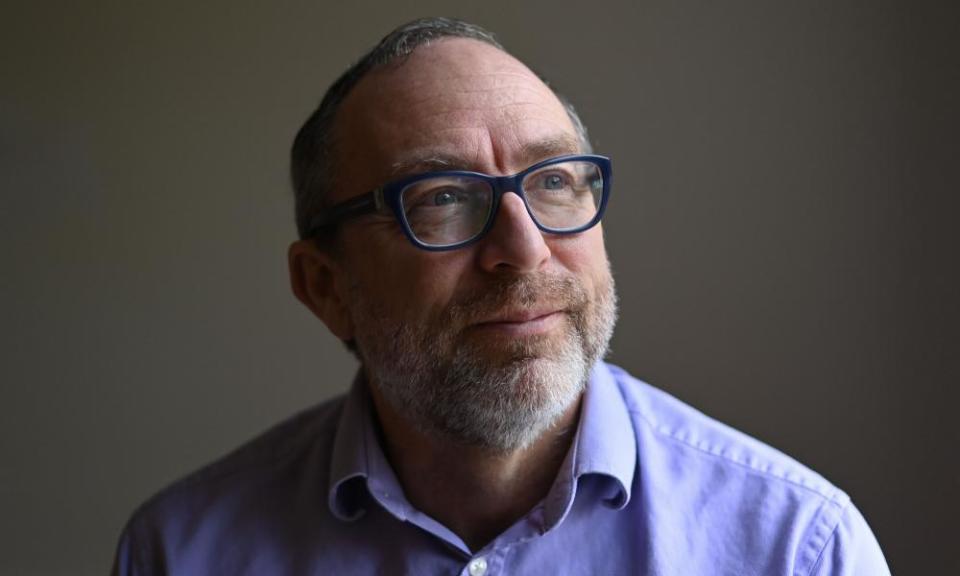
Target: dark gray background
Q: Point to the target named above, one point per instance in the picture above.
(782, 233)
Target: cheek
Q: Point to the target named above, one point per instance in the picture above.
(411, 284)
(433, 287)
(585, 256)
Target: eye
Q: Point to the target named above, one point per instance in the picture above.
(556, 179)
(445, 197)
(553, 182)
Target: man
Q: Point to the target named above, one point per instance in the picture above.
(449, 208)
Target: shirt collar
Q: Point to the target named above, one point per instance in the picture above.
(606, 442)
(348, 461)
(604, 445)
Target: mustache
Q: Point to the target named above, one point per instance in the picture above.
(518, 292)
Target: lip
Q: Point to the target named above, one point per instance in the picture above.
(521, 322)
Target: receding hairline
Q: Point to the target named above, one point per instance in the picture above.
(379, 71)
(428, 160)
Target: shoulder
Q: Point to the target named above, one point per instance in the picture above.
(255, 486)
(684, 432)
(304, 434)
(735, 490)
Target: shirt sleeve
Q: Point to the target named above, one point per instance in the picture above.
(852, 549)
(123, 561)
(131, 558)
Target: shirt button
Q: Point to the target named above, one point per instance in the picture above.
(477, 566)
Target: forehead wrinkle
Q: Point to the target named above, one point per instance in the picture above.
(519, 95)
(439, 160)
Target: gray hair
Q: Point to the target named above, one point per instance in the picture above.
(312, 155)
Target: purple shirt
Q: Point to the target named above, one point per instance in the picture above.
(649, 486)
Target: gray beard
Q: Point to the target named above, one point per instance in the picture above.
(453, 390)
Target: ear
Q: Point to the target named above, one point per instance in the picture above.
(319, 281)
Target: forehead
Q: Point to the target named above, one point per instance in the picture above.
(460, 100)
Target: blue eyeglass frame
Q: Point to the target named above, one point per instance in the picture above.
(388, 196)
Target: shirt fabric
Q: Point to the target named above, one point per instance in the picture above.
(649, 486)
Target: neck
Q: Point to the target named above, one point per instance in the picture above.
(475, 492)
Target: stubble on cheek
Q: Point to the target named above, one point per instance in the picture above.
(440, 335)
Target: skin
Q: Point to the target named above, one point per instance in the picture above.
(479, 109)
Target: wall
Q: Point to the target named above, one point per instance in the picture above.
(782, 234)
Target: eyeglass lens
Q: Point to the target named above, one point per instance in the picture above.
(451, 209)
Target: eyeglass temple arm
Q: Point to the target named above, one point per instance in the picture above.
(363, 204)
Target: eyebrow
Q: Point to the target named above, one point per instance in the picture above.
(530, 153)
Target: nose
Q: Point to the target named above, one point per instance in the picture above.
(514, 243)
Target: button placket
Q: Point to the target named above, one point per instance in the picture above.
(477, 566)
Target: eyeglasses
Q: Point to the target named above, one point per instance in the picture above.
(450, 209)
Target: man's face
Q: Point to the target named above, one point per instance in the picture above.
(491, 343)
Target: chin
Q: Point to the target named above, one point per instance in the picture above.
(514, 404)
